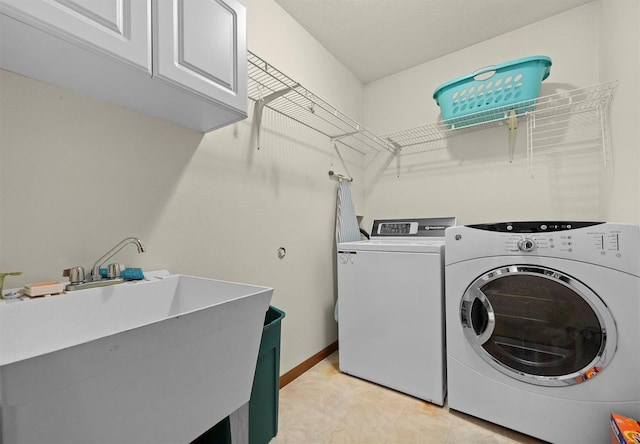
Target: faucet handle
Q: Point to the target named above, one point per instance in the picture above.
(113, 271)
(75, 274)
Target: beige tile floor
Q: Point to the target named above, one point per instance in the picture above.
(326, 406)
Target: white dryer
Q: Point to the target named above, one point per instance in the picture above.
(391, 306)
(543, 331)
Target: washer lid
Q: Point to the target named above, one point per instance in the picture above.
(394, 245)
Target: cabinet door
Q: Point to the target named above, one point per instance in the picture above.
(117, 27)
(201, 45)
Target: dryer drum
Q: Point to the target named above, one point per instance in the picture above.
(538, 325)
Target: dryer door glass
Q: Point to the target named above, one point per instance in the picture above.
(537, 325)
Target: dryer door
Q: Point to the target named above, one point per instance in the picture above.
(538, 325)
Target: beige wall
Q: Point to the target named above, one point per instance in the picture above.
(470, 175)
(620, 59)
(78, 175)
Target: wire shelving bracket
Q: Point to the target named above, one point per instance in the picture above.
(270, 88)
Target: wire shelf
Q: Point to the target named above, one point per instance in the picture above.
(571, 129)
(272, 89)
(553, 122)
(442, 130)
(561, 127)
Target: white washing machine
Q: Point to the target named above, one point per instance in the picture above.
(391, 306)
(543, 329)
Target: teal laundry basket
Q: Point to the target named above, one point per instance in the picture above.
(263, 404)
(491, 93)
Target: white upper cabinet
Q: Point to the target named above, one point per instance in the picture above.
(121, 28)
(201, 45)
(184, 61)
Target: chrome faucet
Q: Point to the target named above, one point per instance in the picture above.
(76, 275)
(95, 270)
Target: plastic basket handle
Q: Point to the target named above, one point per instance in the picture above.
(484, 73)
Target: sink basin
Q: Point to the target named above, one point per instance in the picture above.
(160, 360)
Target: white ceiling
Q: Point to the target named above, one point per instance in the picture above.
(376, 38)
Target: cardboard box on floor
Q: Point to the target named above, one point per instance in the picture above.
(624, 430)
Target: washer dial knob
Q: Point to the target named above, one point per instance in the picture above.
(526, 244)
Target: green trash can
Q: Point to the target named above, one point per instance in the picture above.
(263, 404)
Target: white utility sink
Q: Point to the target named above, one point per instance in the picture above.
(154, 361)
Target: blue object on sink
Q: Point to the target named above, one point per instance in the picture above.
(128, 274)
(132, 274)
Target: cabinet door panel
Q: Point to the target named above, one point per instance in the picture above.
(117, 27)
(201, 44)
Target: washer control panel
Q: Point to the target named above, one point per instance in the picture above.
(597, 241)
(430, 227)
(600, 241)
(533, 227)
(608, 244)
(397, 228)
